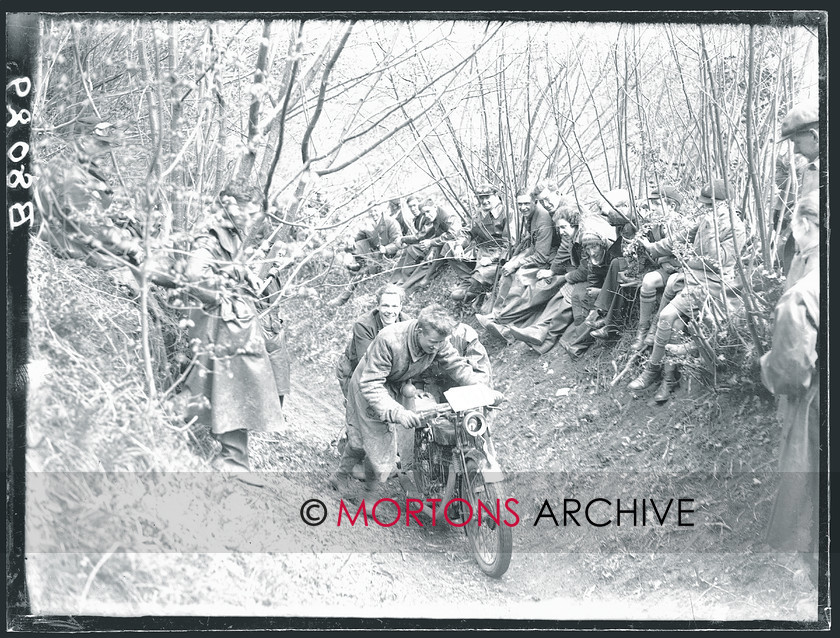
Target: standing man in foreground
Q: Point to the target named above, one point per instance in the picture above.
(790, 370)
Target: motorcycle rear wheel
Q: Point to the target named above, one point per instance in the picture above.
(491, 544)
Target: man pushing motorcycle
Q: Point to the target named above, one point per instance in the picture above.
(399, 353)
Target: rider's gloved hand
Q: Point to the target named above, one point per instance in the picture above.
(498, 397)
(408, 419)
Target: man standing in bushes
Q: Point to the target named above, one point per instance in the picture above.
(790, 370)
(801, 126)
(77, 211)
(232, 377)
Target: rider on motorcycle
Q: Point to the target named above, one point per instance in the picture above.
(399, 353)
(435, 382)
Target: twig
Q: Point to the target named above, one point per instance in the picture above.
(95, 571)
(626, 368)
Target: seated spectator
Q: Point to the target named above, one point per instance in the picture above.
(615, 206)
(379, 239)
(706, 270)
(405, 218)
(517, 294)
(475, 258)
(556, 315)
(664, 206)
(600, 249)
(663, 213)
(420, 259)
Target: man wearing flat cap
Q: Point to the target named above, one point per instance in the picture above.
(477, 256)
(801, 126)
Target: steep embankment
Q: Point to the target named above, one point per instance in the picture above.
(214, 546)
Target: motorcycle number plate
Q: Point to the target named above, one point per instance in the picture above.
(469, 397)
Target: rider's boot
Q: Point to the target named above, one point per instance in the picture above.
(340, 479)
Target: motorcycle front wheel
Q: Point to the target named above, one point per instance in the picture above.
(491, 544)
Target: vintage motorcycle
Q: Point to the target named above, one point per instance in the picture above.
(454, 458)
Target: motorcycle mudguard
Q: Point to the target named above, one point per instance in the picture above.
(490, 470)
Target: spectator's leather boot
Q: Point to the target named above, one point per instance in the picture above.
(501, 331)
(670, 381)
(532, 335)
(548, 343)
(641, 332)
(606, 332)
(650, 375)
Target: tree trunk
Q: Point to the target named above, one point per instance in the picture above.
(247, 164)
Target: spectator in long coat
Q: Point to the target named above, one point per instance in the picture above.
(551, 321)
(518, 295)
(233, 374)
(801, 126)
(790, 370)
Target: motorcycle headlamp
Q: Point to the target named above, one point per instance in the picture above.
(475, 423)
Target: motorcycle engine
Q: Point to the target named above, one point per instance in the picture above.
(431, 461)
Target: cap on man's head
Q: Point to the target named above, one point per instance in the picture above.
(719, 190)
(800, 118)
(485, 189)
(667, 192)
